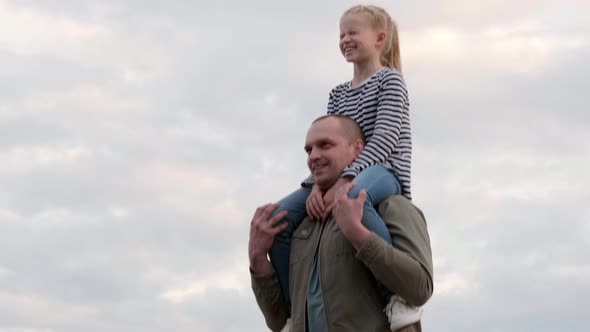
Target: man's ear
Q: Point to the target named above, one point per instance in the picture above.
(358, 147)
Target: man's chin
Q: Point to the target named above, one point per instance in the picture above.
(324, 184)
(317, 175)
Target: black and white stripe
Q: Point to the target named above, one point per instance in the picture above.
(381, 107)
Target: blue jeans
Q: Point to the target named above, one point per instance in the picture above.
(378, 182)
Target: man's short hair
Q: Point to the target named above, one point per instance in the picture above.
(350, 128)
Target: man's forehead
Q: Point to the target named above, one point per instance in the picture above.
(329, 124)
(326, 129)
(319, 139)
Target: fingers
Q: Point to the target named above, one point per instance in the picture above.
(278, 217)
(340, 195)
(272, 226)
(327, 212)
(362, 197)
(258, 213)
(329, 196)
(345, 188)
(319, 201)
(262, 222)
(268, 210)
(278, 228)
(263, 213)
(259, 210)
(265, 210)
(309, 206)
(315, 205)
(318, 206)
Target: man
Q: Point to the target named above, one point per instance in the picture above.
(335, 264)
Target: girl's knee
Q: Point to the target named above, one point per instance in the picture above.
(354, 191)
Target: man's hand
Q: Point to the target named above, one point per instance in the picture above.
(329, 197)
(348, 214)
(315, 203)
(262, 235)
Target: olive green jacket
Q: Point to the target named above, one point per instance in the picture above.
(351, 299)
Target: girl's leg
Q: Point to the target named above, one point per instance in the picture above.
(280, 251)
(379, 182)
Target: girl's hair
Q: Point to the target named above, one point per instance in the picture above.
(379, 19)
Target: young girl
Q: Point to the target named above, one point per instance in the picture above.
(376, 98)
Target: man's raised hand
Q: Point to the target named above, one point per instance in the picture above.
(348, 214)
(263, 230)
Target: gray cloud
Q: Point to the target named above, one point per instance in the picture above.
(138, 137)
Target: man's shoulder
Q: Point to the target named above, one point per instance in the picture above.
(399, 206)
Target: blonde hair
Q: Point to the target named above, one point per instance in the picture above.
(380, 19)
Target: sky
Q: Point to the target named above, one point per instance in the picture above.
(138, 138)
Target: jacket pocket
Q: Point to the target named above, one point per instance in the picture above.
(303, 232)
(301, 259)
(301, 246)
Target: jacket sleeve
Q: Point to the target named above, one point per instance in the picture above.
(406, 266)
(270, 300)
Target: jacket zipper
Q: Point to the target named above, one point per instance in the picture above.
(320, 276)
(310, 266)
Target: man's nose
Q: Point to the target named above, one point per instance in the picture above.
(314, 154)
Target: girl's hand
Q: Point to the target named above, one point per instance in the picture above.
(315, 203)
(329, 197)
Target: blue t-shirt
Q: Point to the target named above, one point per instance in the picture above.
(316, 317)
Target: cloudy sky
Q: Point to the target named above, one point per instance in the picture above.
(137, 138)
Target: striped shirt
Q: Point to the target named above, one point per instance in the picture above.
(380, 106)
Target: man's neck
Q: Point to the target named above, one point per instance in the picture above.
(328, 186)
